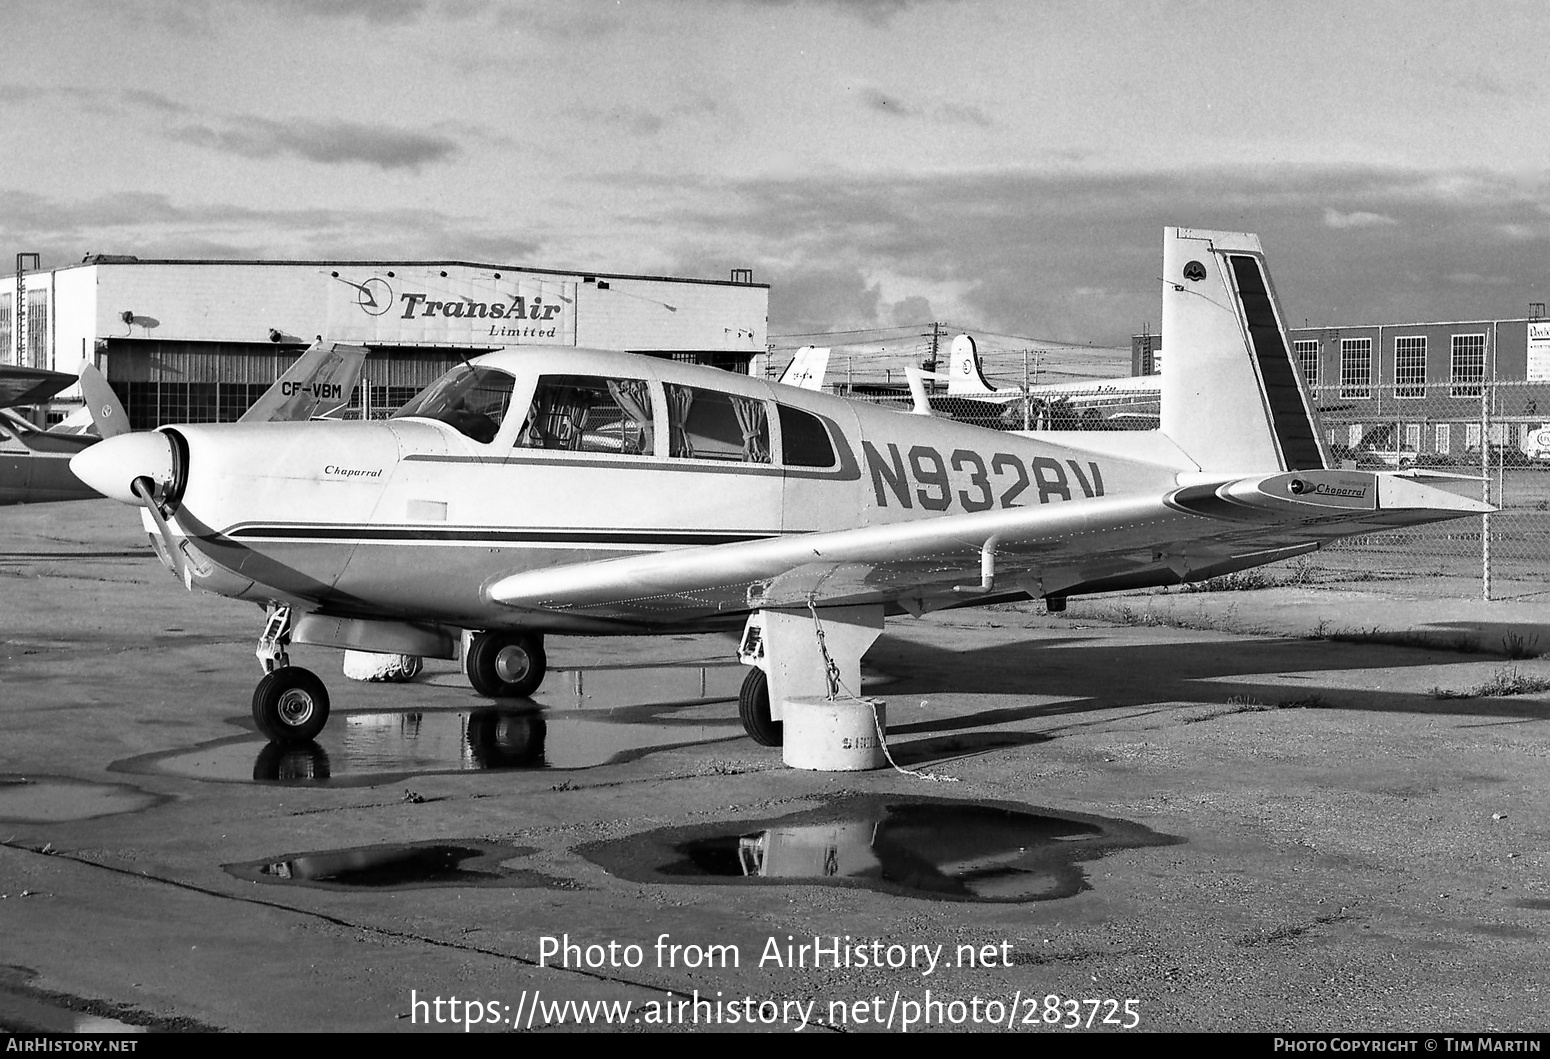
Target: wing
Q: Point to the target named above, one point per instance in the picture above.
(22, 386)
(1191, 532)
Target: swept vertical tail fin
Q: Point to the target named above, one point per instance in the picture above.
(317, 385)
(107, 414)
(807, 368)
(1232, 397)
(964, 375)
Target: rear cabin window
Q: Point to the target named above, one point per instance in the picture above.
(711, 425)
(473, 400)
(583, 413)
(803, 440)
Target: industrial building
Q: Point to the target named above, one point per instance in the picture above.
(198, 341)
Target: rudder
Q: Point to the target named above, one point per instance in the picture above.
(1232, 397)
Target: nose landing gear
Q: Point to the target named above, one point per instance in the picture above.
(290, 705)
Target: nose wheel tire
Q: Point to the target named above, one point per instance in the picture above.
(290, 705)
(505, 665)
(753, 706)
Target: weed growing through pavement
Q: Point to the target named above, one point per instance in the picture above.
(1506, 681)
(1516, 646)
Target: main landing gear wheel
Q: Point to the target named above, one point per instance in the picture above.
(753, 706)
(505, 665)
(290, 705)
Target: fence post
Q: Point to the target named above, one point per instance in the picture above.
(1487, 389)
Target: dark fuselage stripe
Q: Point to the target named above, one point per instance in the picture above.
(391, 534)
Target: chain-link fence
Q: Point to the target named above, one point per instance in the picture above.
(1481, 439)
(1489, 434)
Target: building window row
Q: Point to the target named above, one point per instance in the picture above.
(1466, 367)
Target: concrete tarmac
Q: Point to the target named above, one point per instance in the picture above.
(1233, 832)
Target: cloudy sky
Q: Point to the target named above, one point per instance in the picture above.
(1006, 166)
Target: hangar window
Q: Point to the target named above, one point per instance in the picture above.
(1410, 367)
(583, 413)
(711, 425)
(1355, 368)
(1468, 365)
(1444, 438)
(803, 440)
(471, 399)
(1307, 351)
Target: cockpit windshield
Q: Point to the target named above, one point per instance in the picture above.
(471, 399)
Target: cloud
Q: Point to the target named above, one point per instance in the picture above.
(380, 12)
(880, 102)
(1075, 257)
(152, 225)
(1333, 218)
(875, 100)
(329, 143)
(875, 12)
(147, 100)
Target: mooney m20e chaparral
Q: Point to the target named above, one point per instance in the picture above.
(584, 492)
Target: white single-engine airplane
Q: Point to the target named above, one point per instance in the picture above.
(1128, 402)
(577, 491)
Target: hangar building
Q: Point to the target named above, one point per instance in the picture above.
(198, 341)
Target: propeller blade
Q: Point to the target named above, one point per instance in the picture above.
(142, 488)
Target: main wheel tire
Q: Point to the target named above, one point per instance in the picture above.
(290, 705)
(505, 665)
(753, 706)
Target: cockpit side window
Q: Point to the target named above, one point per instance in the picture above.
(583, 413)
(803, 440)
(711, 425)
(471, 399)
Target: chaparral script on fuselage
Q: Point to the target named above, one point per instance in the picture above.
(351, 472)
(1324, 489)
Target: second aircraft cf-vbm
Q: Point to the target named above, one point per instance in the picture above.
(558, 490)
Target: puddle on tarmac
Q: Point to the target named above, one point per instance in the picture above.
(580, 719)
(410, 866)
(919, 847)
(28, 1010)
(53, 799)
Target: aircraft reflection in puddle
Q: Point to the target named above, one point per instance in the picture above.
(592, 717)
(945, 850)
(397, 867)
(493, 738)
